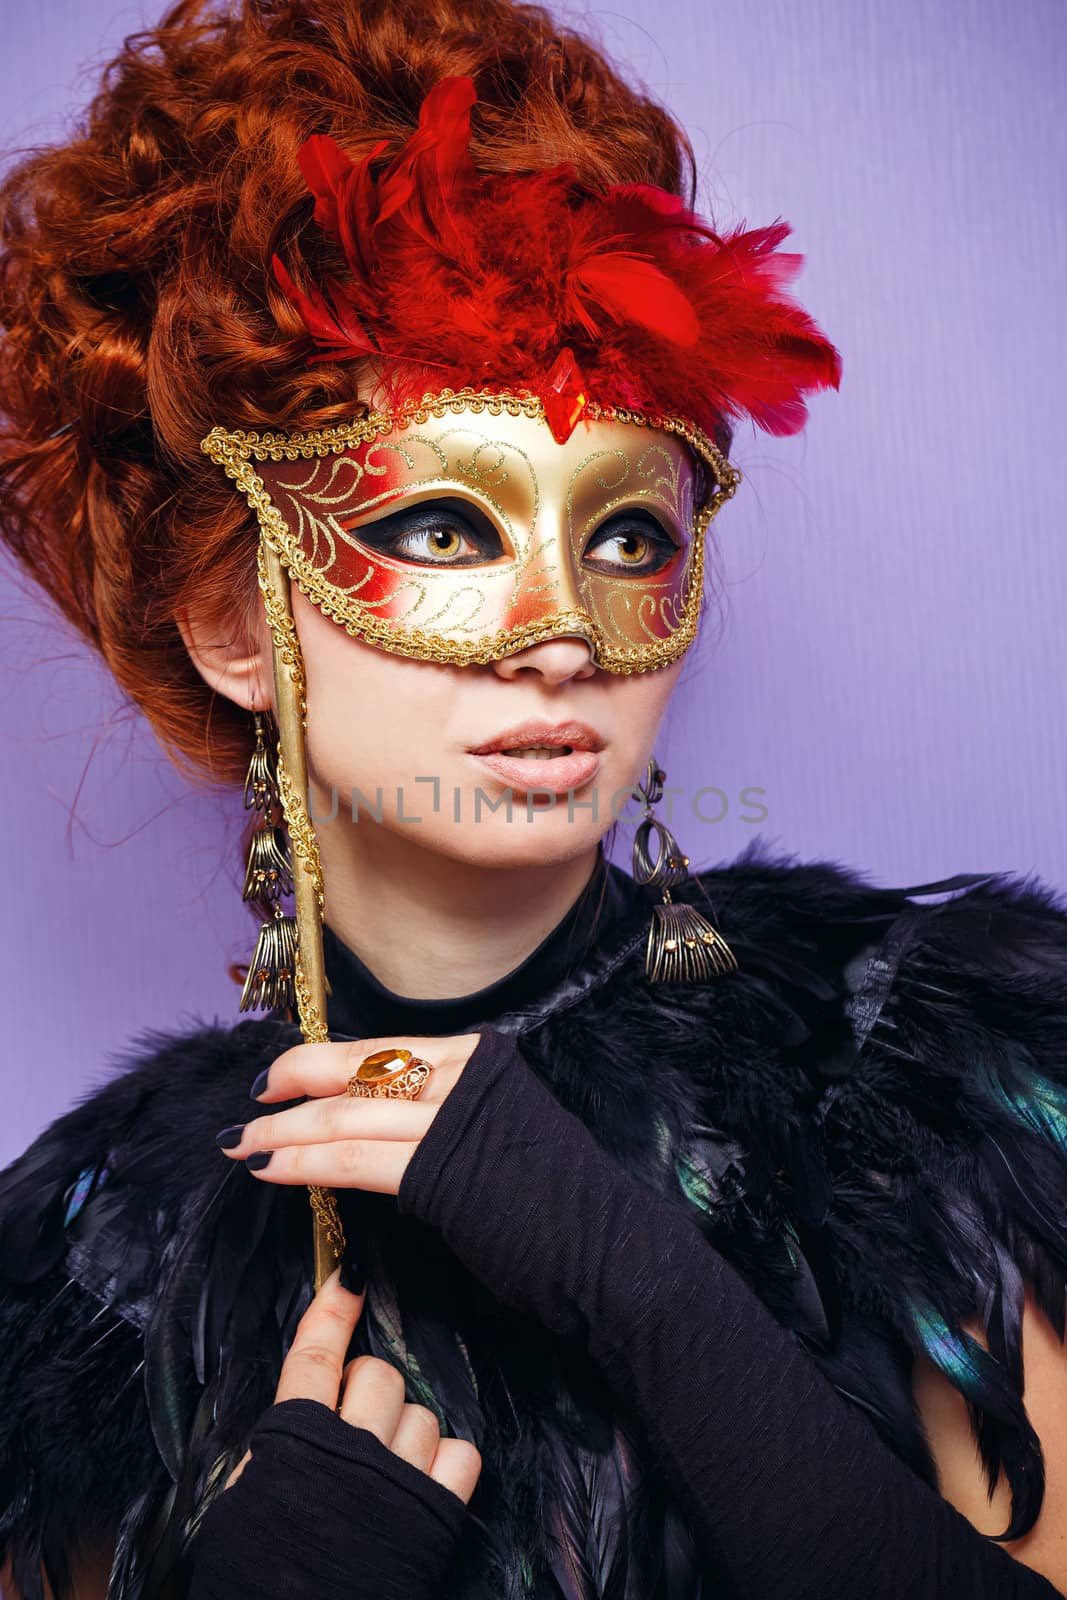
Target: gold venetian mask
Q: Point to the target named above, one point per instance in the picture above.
(459, 530)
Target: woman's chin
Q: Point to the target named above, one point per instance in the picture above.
(494, 844)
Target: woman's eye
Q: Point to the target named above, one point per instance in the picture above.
(436, 544)
(434, 535)
(631, 545)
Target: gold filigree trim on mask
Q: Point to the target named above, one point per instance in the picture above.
(284, 634)
(301, 833)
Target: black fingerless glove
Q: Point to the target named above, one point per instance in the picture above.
(324, 1511)
(789, 1487)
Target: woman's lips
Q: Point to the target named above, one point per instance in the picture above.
(557, 773)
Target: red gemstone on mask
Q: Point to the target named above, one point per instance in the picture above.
(564, 396)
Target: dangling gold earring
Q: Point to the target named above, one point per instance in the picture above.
(683, 947)
(270, 980)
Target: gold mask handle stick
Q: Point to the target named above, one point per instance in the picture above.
(310, 977)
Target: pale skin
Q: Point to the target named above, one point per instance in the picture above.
(341, 1141)
(483, 898)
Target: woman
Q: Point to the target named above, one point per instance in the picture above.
(702, 1233)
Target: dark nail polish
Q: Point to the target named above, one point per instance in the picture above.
(230, 1138)
(353, 1276)
(259, 1085)
(258, 1159)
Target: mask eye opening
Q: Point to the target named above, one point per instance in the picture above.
(376, 532)
(664, 539)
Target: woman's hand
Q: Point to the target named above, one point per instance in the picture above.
(336, 1139)
(347, 1492)
(367, 1393)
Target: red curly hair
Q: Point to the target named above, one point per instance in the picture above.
(139, 308)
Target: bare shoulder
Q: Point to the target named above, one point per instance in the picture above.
(979, 1014)
(90, 1580)
(962, 1479)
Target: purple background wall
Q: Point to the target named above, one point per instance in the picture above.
(890, 667)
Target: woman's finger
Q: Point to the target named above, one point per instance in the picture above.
(238, 1469)
(374, 1164)
(372, 1396)
(457, 1466)
(417, 1437)
(324, 1069)
(312, 1369)
(326, 1121)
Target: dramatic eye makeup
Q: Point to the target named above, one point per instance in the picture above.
(457, 533)
(630, 544)
(436, 533)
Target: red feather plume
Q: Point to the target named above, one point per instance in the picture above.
(508, 281)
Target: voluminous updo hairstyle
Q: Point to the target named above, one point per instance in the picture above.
(138, 308)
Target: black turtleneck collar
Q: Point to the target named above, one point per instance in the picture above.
(605, 924)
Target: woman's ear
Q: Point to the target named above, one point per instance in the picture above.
(231, 655)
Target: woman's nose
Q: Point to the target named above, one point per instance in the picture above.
(554, 660)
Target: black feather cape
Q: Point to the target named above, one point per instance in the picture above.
(868, 1118)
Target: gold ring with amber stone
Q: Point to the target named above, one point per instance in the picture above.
(389, 1075)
